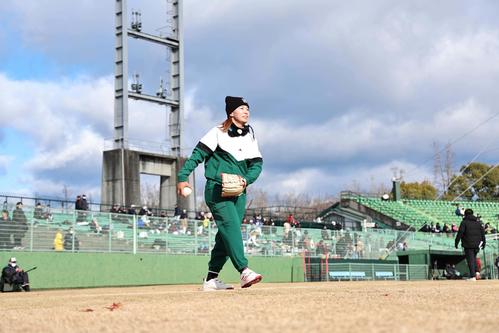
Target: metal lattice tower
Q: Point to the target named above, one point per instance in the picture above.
(124, 163)
(122, 93)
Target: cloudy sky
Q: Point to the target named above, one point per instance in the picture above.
(341, 92)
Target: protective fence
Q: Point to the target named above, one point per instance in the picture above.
(86, 231)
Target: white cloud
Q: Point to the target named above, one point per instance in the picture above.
(5, 160)
(355, 137)
(320, 181)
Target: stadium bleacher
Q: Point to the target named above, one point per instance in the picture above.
(416, 213)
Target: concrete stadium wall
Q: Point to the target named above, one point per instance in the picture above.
(83, 270)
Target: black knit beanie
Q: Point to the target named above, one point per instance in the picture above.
(232, 103)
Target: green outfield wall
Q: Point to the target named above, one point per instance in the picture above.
(84, 270)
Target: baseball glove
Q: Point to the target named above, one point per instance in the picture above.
(232, 185)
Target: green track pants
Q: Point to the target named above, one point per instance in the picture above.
(228, 214)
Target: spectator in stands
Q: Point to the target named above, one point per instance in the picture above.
(259, 220)
(446, 228)
(144, 211)
(95, 227)
(183, 221)
(304, 242)
(253, 237)
(48, 214)
(20, 225)
(81, 206)
(488, 229)
(115, 211)
(143, 222)
(58, 241)
(425, 228)
(84, 203)
(333, 229)
(38, 212)
(459, 210)
(78, 202)
(206, 221)
(454, 228)
(359, 248)
(15, 276)
(438, 228)
(177, 211)
(70, 239)
(342, 246)
(200, 216)
(273, 228)
(131, 210)
(292, 221)
(5, 230)
(325, 234)
(451, 273)
(287, 237)
(472, 237)
(321, 248)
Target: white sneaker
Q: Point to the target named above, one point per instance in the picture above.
(215, 284)
(249, 278)
(471, 279)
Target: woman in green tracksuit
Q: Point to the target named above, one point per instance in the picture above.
(228, 148)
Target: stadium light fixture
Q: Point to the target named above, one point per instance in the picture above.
(161, 93)
(137, 86)
(136, 21)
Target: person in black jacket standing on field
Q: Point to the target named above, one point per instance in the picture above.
(472, 237)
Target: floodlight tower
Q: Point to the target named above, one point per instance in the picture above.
(122, 94)
(123, 164)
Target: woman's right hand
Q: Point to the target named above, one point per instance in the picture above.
(180, 188)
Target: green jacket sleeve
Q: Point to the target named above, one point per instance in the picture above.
(199, 155)
(254, 169)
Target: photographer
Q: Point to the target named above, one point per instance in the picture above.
(15, 276)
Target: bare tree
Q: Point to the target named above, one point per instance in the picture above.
(354, 186)
(150, 194)
(443, 170)
(448, 170)
(66, 193)
(258, 197)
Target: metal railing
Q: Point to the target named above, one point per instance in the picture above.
(325, 271)
(57, 205)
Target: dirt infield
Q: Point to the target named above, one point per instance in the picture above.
(426, 306)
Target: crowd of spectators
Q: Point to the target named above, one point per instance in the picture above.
(260, 234)
(453, 228)
(437, 228)
(13, 230)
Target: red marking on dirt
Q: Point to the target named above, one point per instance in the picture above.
(114, 306)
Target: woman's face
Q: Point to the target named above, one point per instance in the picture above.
(240, 116)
